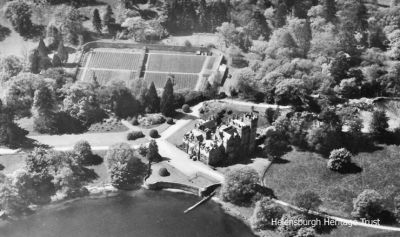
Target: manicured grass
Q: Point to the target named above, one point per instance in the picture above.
(305, 170)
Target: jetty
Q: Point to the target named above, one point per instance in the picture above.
(205, 199)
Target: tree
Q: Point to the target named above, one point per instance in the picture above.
(240, 185)
(42, 49)
(10, 133)
(271, 115)
(56, 62)
(108, 17)
(379, 124)
(52, 35)
(368, 204)
(291, 223)
(264, 213)
(167, 103)
(10, 66)
(276, 144)
(203, 16)
(339, 159)
(329, 7)
(84, 153)
(19, 14)
(119, 99)
(34, 61)
(306, 232)
(152, 100)
(301, 32)
(307, 200)
(10, 201)
(62, 52)
(126, 170)
(96, 21)
(152, 152)
(44, 111)
(72, 26)
(397, 207)
(33, 187)
(324, 139)
(4, 32)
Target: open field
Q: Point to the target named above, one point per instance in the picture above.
(175, 63)
(305, 170)
(182, 81)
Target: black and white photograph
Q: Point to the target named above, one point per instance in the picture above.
(199, 118)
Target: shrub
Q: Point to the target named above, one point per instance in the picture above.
(229, 112)
(307, 200)
(368, 204)
(2, 167)
(265, 211)
(153, 133)
(84, 152)
(152, 152)
(163, 172)
(396, 205)
(379, 124)
(306, 232)
(194, 97)
(152, 119)
(339, 159)
(143, 150)
(201, 111)
(135, 135)
(186, 108)
(135, 122)
(291, 223)
(170, 121)
(240, 185)
(188, 44)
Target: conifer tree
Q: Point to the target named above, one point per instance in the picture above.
(56, 61)
(203, 21)
(153, 101)
(96, 21)
(167, 105)
(44, 114)
(62, 52)
(10, 134)
(108, 17)
(152, 153)
(42, 49)
(34, 60)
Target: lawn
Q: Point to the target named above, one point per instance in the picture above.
(298, 171)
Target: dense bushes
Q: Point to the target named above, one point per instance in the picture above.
(170, 121)
(134, 135)
(264, 213)
(186, 108)
(126, 170)
(163, 172)
(240, 185)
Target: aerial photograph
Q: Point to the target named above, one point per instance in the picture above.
(199, 118)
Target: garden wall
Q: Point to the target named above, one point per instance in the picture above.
(121, 45)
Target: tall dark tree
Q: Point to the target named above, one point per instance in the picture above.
(379, 124)
(44, 111)
(96, 21)
(153, 101)
(167, 105)
(203, 16)
(42, 49)
(62, 52)
(56, 61)
(10, 133)
(34, 60)
(152, 153)
(108, 18)
(329, 7)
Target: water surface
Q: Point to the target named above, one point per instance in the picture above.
(143, 214)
